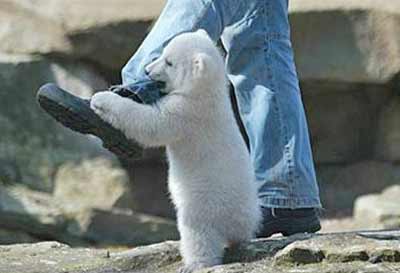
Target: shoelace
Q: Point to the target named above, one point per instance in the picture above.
(131, 91)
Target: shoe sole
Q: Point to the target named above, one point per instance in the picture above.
(290, 227)
(76, 114)
(313, 228)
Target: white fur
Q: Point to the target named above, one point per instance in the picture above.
(211, 179)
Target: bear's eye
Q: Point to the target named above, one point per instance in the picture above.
(167, 62)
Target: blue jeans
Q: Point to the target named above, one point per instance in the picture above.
(256, 36)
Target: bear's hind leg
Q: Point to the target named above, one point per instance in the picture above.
(200, 249)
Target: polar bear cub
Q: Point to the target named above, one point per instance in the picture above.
(211, 179)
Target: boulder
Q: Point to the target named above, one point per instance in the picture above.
(388, 132)
(346, 41)
(341, 248)
(79, 15)
(102, 32)
(32, 212)
(23, 31)
(149, 177)
(32, 144)
(343, 120)
(330, 253)
(342, 184)
(41, 215)
(8, 237)
(339, 224)
(121, 227)
(92, 183)
(379, 210)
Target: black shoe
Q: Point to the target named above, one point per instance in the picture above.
(289, 221)
(76, 114)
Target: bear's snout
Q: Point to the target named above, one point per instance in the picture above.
(153, 70)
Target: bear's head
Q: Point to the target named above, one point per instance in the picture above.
(190, 62)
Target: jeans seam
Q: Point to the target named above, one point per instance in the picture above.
(286, 153)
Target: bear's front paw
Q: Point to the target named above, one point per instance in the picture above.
(105, 104)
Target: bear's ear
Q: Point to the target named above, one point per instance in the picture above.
(203, 32)
(199, 64)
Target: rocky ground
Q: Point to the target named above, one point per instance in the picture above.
(329, 253)
(347, 56)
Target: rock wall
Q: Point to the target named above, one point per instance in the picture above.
(73, 44)
(32, 145)
(28, 216)
(348, 59)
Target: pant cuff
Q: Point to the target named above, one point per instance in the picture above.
(292, 203)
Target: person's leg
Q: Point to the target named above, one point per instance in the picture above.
(256, 36)
(262, 71)
(178, 16)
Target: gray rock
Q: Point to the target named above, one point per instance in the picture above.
(8, 237)
(149, 178)
(32, 144)
(9, 171)
(343, 119)
(32, 212)
(121, 227)
(19, 33)
(379, 210)
(108, 33)
(346, 41)
(43, 216)
(388, 132)
(49, 257)
(339, 224)
(338, 248)
(87, 31)
(342, 184)
(332, 253)
(103, 32)
(92, 183)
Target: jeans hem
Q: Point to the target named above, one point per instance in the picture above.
(292, 203)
